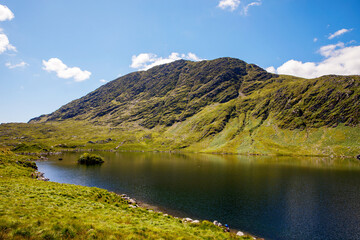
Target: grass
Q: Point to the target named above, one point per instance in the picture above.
(207, 131)
(33, 209)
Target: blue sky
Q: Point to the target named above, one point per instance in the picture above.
(52, 52)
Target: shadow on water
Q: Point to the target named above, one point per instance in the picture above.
(272, 197)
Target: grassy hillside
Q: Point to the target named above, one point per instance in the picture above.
(33, 209)
(241, 134)
(162, 95)
(223, 106)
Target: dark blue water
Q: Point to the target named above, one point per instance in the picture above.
(274, 198)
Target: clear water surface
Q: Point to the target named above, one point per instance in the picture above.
(270, 197)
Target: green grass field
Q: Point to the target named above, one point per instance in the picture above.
(204, 132)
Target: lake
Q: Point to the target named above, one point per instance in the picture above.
(270, 197)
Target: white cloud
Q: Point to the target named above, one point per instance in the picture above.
(103, 81)
(245, 9)
(18, 65)
(339, 32)
(329, 50)
(192, 57)
(229, 4)
(271, 69)
(145, 61)
(339, 60)
(142, 59)
(63, 71)
(5, 13)
(5, 44)
(315, 39)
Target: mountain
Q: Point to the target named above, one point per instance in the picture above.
(225, 105)
(164, 94)
(173, 92)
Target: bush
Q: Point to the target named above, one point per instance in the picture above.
(90, 159)
(27, 163)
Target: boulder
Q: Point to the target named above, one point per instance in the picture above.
(216, 223)
(358, 157)
(196, 221)
(239, 233)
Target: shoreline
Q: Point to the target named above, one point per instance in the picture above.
(60, 151)
(180, 215)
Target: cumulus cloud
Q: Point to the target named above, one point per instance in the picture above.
(18, 65)
(103, 81)
(338, 59)
(5, 43)
(271, 69)
(339, 32)
(145, 61)
(5, 13)
(245, 9)
(329, 50)
(63, 71)
(229, 4)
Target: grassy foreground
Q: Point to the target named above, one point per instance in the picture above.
(33, 209)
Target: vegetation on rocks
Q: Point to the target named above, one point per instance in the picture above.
(90, 159)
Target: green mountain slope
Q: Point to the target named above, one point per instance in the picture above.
(223, 105)
(164, 94)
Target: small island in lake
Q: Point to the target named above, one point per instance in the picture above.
(90, 159)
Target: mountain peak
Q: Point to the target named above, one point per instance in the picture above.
(164, 94)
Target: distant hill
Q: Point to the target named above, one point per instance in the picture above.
(225, 105)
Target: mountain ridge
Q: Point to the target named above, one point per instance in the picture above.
(173, 92)
(183, 84)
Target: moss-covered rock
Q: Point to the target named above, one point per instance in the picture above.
(90, 159)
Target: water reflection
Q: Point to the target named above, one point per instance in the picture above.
(273, 197)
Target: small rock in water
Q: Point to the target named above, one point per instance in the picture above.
(239, 233)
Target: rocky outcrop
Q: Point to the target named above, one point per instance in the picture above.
(39, 176)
